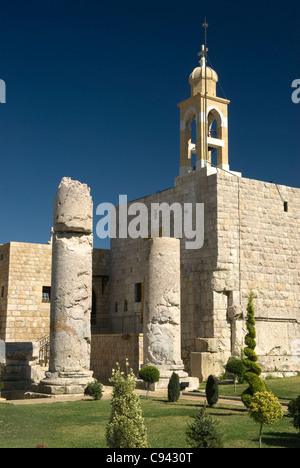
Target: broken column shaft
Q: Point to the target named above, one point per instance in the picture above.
(71, 293)
(162, 323)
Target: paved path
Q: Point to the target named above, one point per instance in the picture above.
(234, 401)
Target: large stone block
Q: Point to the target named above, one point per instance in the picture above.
(207, 345)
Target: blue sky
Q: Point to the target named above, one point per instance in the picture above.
(93, 87)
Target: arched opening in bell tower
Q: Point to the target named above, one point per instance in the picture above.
(189, 138)
(192, 149)
(215, 141)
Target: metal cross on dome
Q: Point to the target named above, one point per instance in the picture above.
(204, 50)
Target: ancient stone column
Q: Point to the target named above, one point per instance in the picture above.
(71, 290)
(162, 323)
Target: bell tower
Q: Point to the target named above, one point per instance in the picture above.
(208, 114)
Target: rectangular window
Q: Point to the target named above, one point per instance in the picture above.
(2, 291)
(1, 257)
(138, 292)
(46, 296)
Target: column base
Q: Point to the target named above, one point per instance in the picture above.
(165, 375)
(64, 383)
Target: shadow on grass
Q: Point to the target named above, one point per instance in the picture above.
(178, 404)
(181, 403)
(281, 439)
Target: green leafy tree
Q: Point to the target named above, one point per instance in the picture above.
(126, 428)
(149, 374)
(204, 432)
(237, 368)
(174, 388)
(265, 409)
(253, 370)
(212, 390)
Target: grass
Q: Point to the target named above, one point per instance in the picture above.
(82, 425)
(284, 389)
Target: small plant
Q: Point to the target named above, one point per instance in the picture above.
(237, 368)
(149, 374)
(204, 432)
(174, 388)
(265, 409)
(294, 412)
(126, 428)
(212, 390)
(95, 390)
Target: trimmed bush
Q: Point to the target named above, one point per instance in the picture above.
(294, 412)
(212, 390)
(95, 390)
(174, 388)
(204, 432)
(126, 428)
(253, 370)
(265, 409)
(149, 374)
(237, 368)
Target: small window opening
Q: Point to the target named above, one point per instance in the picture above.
(2, 291)
(46, 295)
(1, 257)
(116, 307)
(125, 306)
(94, 309)
(286, 206)
(138, 292)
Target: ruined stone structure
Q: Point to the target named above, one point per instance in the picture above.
(71, 304)
(162, 319)
(154, 300)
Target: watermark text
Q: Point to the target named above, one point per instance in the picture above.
(2, 92)
(296, 93)
(138, 220)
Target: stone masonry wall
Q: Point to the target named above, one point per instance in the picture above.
(29, 270)
(129, 266)
(251, 242)
(107, 350)
(258, 249)
(101, 261)
(4, 268)
(24, 270)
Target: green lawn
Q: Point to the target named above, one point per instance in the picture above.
(284, 389)
(82, 425)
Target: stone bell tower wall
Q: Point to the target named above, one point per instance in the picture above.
(258, 248)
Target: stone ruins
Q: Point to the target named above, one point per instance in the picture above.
(152, 300)
(71, 305)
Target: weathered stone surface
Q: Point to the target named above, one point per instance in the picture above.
(206, 345)
(73, 207)
(24, 352)
(162, 330)
(20, 368)
(70, 328)
(71, 302)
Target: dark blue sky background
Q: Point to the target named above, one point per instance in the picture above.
(93, 87)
